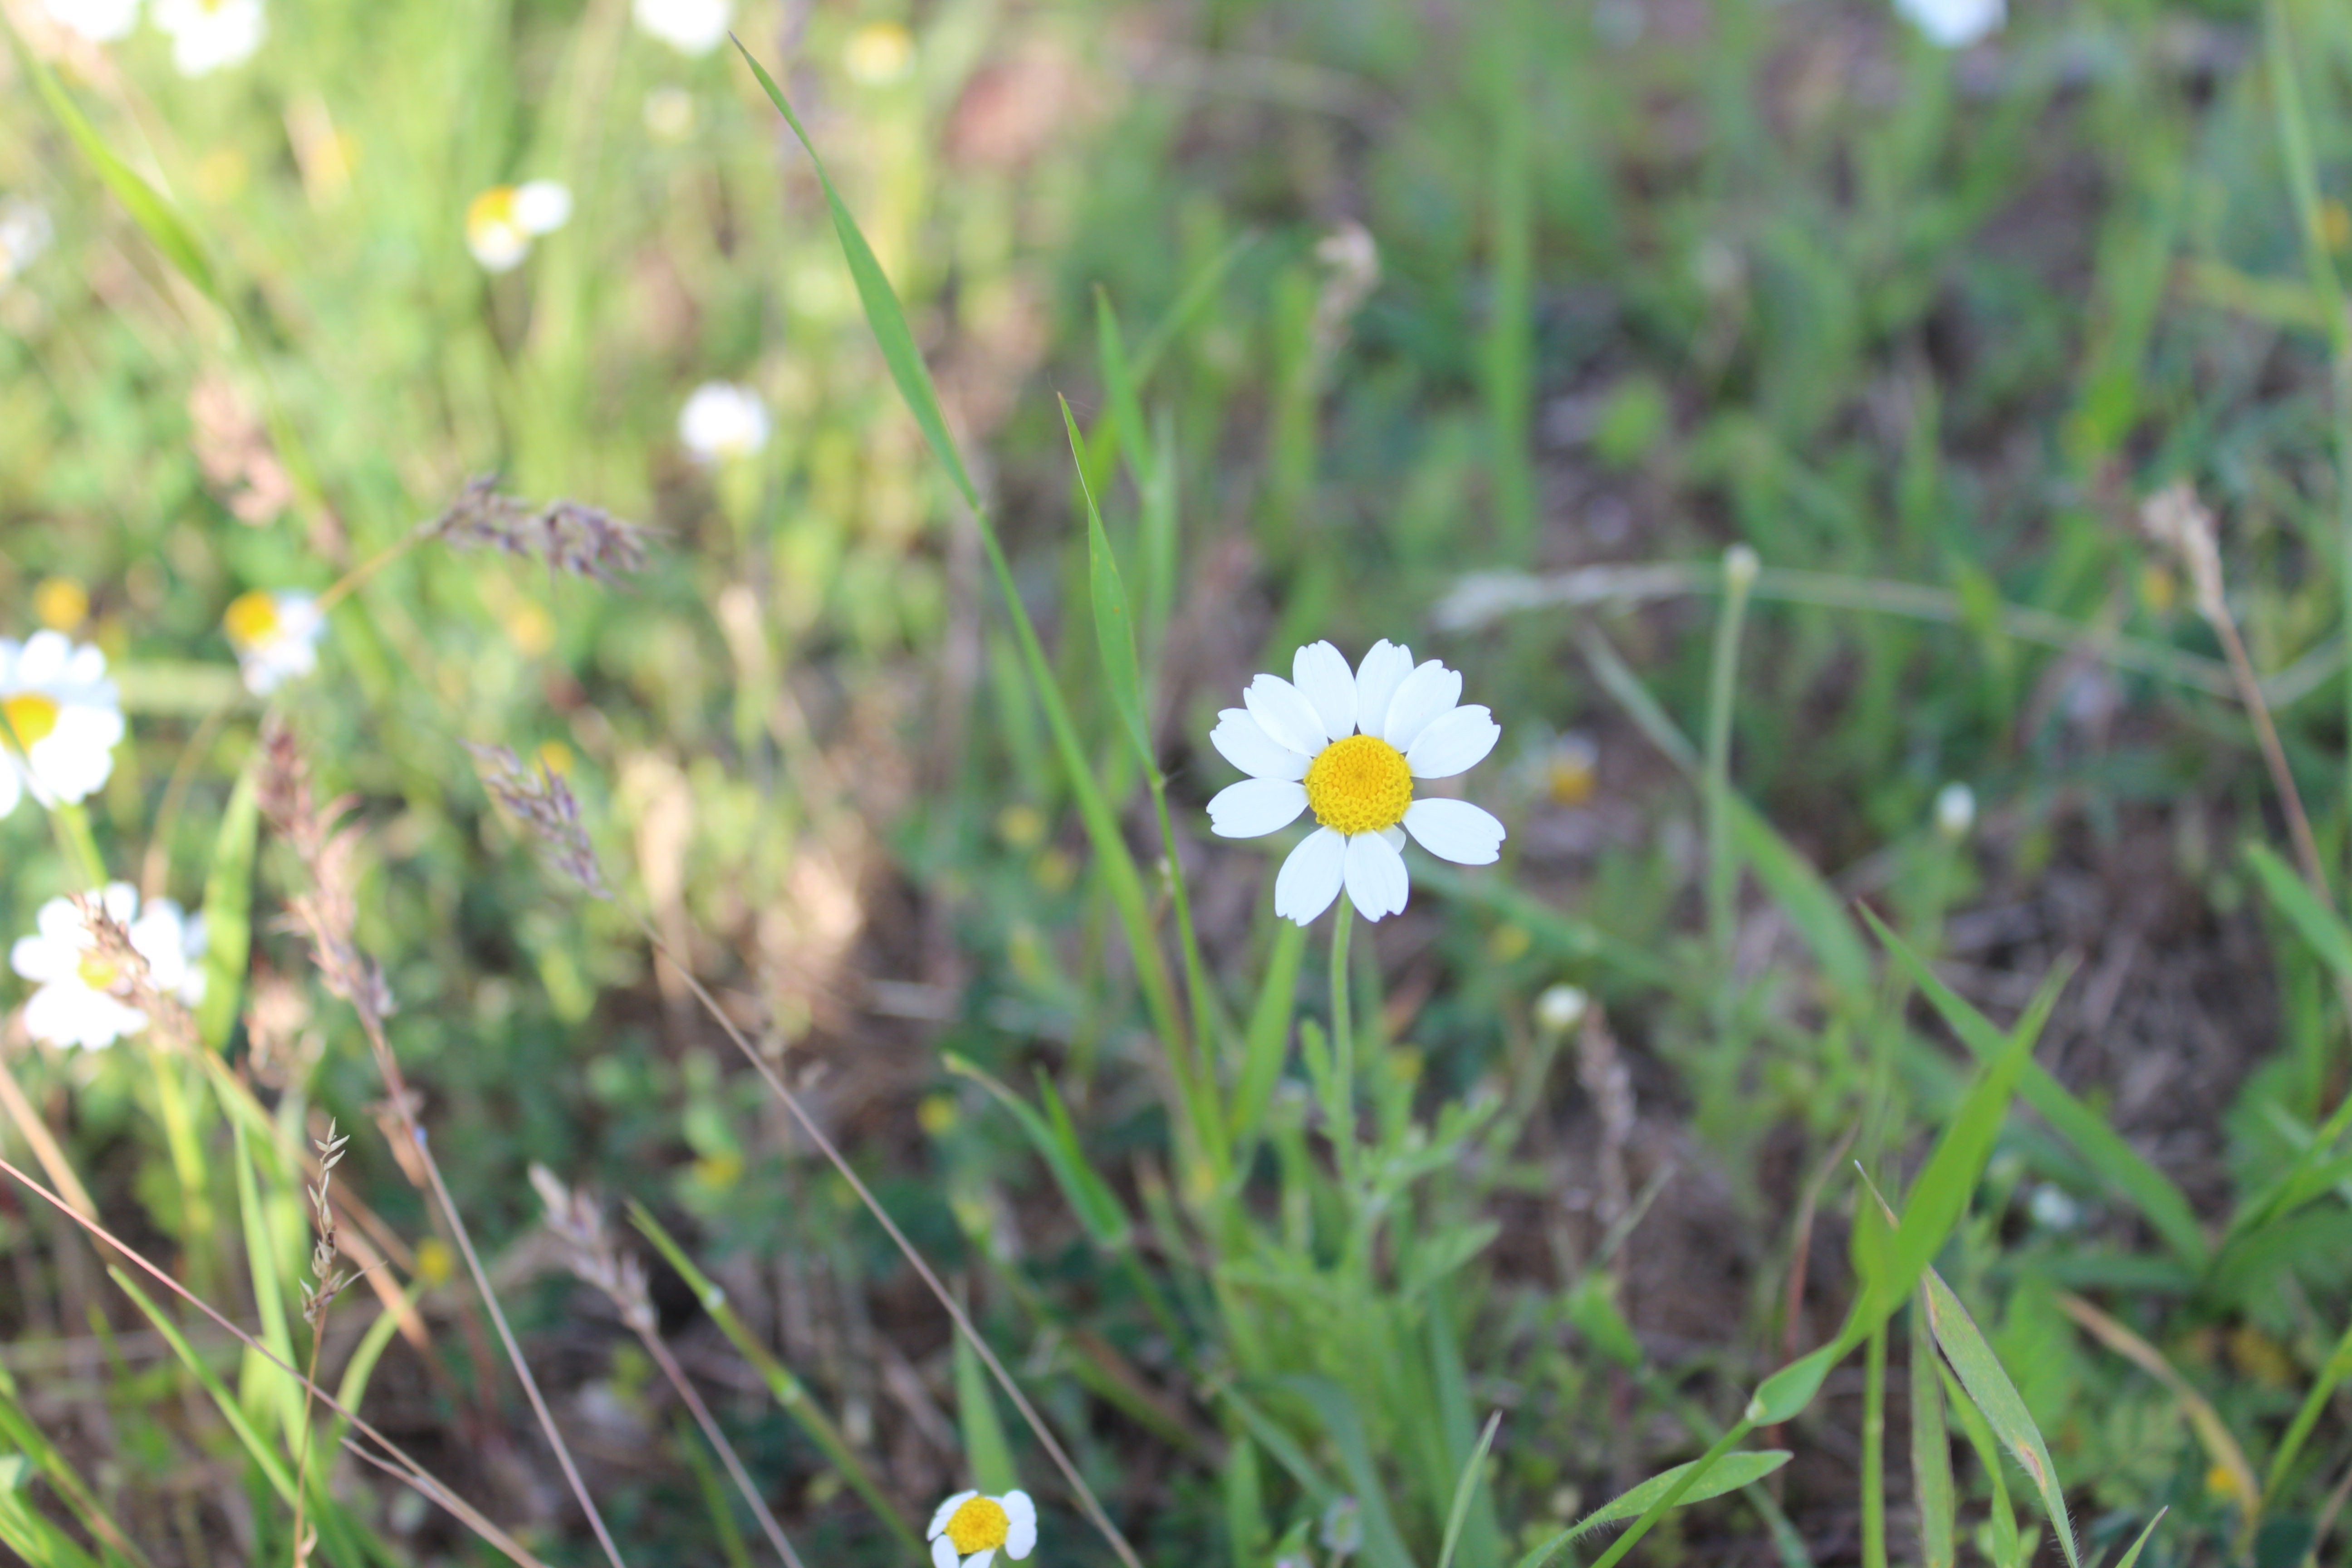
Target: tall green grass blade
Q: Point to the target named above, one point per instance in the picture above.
(1266, 1040)
(1931, 1447)
(1980, 1372)
(2131, 1557)
(19, 1431)
(1806, 898)
(228, 911)
(2331, 1376)
(2125, 1171)
(1198, 293)
(2001, 1518)
(1125, 422)
(156, 216)
(2318, 924)
(984, 1445)
(786, 1389)
(259, 1383)
(263, 1453)
(1114, 620)
(24, 1532)
(1473, 1474)
(1383, 1546)
(1727, 1474)
(1088, 1196)
(1318, 1487)
(717, 1500)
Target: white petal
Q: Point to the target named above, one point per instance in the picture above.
(1242, 742)
(121, 900)
(1377, 680)
(1310, 877)
(39, 959)
(982, 1558)
(1454, 830)
(943, 1551)
(1282, 711)
(1376, 876)
(44, 658)
(86, 666)
(1395, 836)
(1453, 742)
(1255, 806)
(541, 206)
(1426, 692)
(945, 1512)
(1321, 671)
(1021, 1521)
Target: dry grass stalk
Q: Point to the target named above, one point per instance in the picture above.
(569, 535)
(315, 1303)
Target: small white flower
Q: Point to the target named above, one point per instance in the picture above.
(100, 21)
(690, 26)
(1348, 746)
(1956, 811)
(59, 720)
(1561, 1007)
(723, 420)
(25, 231)
(276, 636)
(71, 1005)
(502, 221)
(207, 35)
(1955, 24)
(970, 1528)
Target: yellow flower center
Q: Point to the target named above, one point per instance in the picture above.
(493, 209)
(1360, 784)
(98, 973)
(30, 717)
(980, 1525)
(251, 619)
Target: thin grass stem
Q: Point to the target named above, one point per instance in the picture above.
(1343, 1044)
(1874, 1450)
(717, 1439)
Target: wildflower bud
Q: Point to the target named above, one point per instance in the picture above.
(1342, 1526)
(1956, 812)
(1740, 568)
(1560, 1008)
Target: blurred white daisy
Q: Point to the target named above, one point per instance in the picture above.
(276, 636)
(970, 1528)
(25, 231)
(723, 420)
(690, 26)
(207, 35)
(1348, 746)
(73, 1004)
(502, 221)
(1955, 24)
(100, 21)
(59, 720)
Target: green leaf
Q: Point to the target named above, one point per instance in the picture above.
(1791, 1389)
(1126, 420)
(2312, 920)
(884, 317)
(1931, 1447)
(984, 1445)
(228, 911)
(24, 1532)
(163, 224)
(1818, 913)
(1089, 1197)
(1267, 1041)
(259, 1382)
(1114, 622)
(1989, 1387)
(256, 1447)
(2002, 1520)
(2125, 1173)
(1472, 1474)
(1729, 1473)
(2132, 1556)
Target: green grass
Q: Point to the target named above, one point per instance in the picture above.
(1236, 1244)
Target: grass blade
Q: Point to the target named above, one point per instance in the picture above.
(1472, 1473)
(984, 1445)
(1114, 620)
(1931, 1447)
(1383, 1546)
(228, 912)
(1805, 898)
(2220, 1447)
(1980, 1372)
(1089, 1197)
(1726, 1475)
(2132, 1556)
(1267, 1042)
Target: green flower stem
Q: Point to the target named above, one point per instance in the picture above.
(1343, 1044)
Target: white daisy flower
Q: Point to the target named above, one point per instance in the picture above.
(25, 231)
(207, 35)
(723, 420)
(690, 26)
(1955, 24)
(969, 1529)
(276, 636)
(72, 1004)
(502, 221)
(1348, 746)
(100, 21)
(59, 720)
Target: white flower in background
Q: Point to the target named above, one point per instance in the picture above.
(1348, 746)
(1562, 1008)
(25, 231)
(880, 53)
(970, 1528)
(276, 636)
(690, 26)
(1956, 811)
(502, 221)
(72, 1004)
(1955, 24)
(207, 35)
(100, 21)
(723, 420)
(59, 720)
